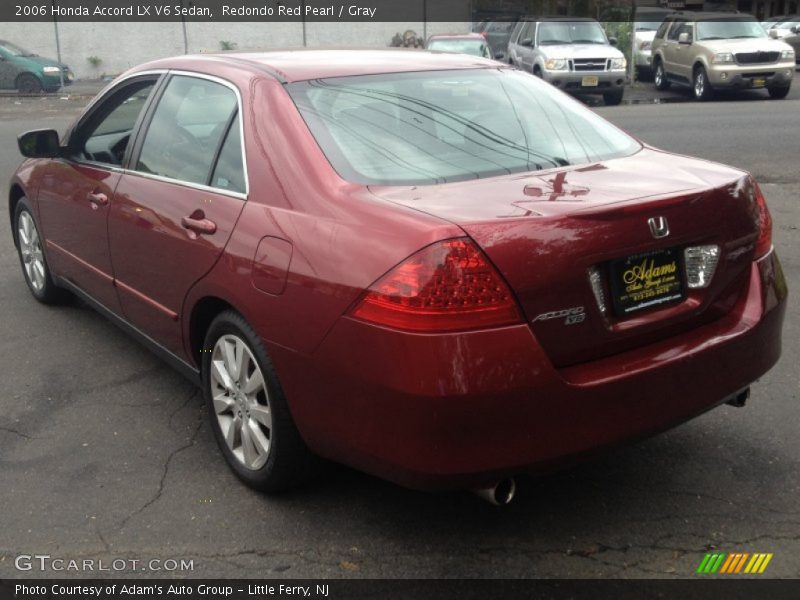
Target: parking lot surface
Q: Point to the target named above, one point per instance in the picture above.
(105, 453)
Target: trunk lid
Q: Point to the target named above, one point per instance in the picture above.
(546, 232)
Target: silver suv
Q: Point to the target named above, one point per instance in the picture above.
(710, 51)
(571, 53)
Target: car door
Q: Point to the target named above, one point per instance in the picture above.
(8, 71)
(673, 51)
(76, 192)
(526, 50)
(176, 206)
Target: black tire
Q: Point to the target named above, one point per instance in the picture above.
(537, 71)
(778, 93)
(613, 98)
(701, 88)
(289, 462)
(44, 288)
(660, 77)
(28, 83)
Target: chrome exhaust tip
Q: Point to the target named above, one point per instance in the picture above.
(499, 494)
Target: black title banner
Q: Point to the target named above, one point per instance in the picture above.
(236, 10)
(733, 588)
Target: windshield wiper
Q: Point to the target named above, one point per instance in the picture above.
(546, 42)
(740, 37)
(712, 37)
(587, 42)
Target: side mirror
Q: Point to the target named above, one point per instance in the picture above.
(683, 38)
(795, 29)
(42, 143)
(526, 42)
(499, 55)
(613, 41)
(773, 33)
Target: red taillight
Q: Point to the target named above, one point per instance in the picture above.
(448, 286)
(764, 222)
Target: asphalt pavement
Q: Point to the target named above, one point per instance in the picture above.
(105, 453)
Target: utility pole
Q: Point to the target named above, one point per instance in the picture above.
(183, 26)
(58, 45)
(633, 42)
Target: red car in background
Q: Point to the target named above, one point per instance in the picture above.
(432, 267)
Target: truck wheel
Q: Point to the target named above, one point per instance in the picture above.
(778, 92)
(660, 77)
(702, 88)
(613, 98)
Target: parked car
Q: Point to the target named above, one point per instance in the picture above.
(647, 22)
(712, 51)
(783, 28)
(30, 73)
(473, 44)
(497, 33)
(570, 53)
(793, 39)
(432, 267)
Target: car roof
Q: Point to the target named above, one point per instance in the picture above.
(302, 64)
(456, 36)
(713, 16)
(556, 18)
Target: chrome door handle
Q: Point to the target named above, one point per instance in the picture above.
(98, 198)
(206, 226)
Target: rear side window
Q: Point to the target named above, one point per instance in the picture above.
(229, 171)
(187, 128)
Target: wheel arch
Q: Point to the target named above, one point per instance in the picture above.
(203, 313)
(15, 194)
(699, 62)
(31, 73)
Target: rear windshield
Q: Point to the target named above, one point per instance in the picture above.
(442, 126)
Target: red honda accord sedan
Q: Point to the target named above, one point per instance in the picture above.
(434, 268)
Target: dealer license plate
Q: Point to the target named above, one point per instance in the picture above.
(759, 82)
(590, 81)
(647, 280)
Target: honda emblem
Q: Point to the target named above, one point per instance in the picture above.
(658, 227)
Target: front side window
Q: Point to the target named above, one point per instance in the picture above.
(105, 137)
(437, 127)
(677, 28)
(187, 128)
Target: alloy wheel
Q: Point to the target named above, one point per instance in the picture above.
(31, 251)
(699, 84)
(659, 75)
(241, 401)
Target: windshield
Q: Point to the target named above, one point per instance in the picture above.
(787, 25)
(14, 50)
(442, 126)
(571, 33)
(473, 47)
(724, 30)
(648, 26)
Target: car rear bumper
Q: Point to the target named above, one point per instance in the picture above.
(462, 410)
(573, 82)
